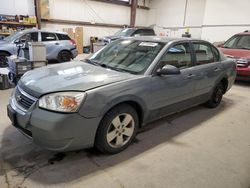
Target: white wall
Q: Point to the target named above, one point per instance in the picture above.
(229, 17)
(95, 12)
(170, 19)
(14, 7)
(212, 20)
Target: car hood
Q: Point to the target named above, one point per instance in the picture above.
(70, 76)
(236, 53)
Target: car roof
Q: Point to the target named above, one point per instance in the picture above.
(162, 39)
(247, 32)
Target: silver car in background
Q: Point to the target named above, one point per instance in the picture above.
(104, 100)
(59, 46)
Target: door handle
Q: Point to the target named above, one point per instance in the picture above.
(56, 43)
(190, 76)
(216, 69)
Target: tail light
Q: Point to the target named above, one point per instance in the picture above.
(72, 42)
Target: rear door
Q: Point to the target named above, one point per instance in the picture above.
(172, 92)
(207, 69)
(52, 45)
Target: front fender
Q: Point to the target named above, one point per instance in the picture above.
(124, 99)
(101, 100)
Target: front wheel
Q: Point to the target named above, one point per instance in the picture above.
(117, 129)
(216, 97)
(64, 56)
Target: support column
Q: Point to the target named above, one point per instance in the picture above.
(38, 13)
(133, 12)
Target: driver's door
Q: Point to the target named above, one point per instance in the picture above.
(171, 93)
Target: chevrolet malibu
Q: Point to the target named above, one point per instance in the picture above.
(103, 101)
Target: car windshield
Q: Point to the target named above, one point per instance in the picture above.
(238, 42)
(13, 36)
(124, 32)
(127, 55)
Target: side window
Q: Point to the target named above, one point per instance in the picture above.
(178, 56)
(203, 53)
(231, 42)
(244, 42)
(30, 37)
(48, 37)
(62, 36)
(138, 32)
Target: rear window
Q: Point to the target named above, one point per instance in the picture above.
(62, 36)
(144, 32)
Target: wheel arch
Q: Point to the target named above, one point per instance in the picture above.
(224, 82)
(7, 52)
(65, 50)
(138, 105)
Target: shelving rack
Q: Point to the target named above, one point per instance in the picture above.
(15, 25)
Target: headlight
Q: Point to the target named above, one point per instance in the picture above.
(62, 101)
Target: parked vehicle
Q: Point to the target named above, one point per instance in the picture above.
(238, 48)
(59, 46)
(104, 100)
(128, 32)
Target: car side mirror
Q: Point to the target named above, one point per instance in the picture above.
(168, 70)
(137, 35)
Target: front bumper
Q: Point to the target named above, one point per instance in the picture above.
(74, 52)
(54, 131)
(243, 74)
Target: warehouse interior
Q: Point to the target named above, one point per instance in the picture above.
(192, 146)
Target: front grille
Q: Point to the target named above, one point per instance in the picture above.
(242, 63)
(24, 99)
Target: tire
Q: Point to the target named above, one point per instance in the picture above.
(64, 56)
(117, 129)
(216, 97)
(3, 59)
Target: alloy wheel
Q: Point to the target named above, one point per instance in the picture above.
(120, 130)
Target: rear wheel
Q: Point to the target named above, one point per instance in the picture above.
(117, 129)
(216, 97)
(3, 59)
(64, 56)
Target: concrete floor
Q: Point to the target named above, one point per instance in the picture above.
(199, 147)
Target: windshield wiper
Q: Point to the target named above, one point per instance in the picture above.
(89, 61)
(110, 67)
(244, 48)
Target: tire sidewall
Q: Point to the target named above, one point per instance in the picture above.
(101, 136)
(61, 58)
(212, 103)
